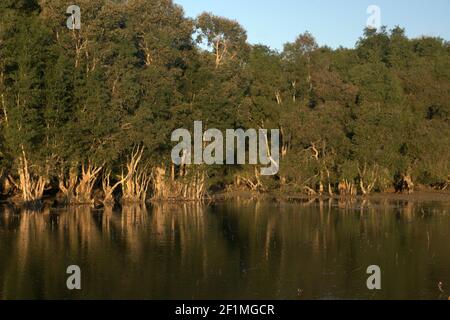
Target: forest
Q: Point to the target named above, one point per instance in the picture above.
(87, 114)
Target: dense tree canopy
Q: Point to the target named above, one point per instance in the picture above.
(139, 69)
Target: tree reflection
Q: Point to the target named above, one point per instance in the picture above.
(247, 249)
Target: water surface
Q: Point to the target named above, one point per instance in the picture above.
(241, 249)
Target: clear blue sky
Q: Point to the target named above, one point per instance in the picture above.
(332, 22)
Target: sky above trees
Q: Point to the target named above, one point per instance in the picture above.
(333, 23)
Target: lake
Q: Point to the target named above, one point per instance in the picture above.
(238, 249)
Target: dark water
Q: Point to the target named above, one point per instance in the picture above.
(242, 249)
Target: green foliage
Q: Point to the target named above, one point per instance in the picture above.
(138, 69)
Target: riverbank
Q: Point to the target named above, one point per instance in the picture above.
(419, 196)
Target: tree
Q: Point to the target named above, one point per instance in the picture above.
(74, 101)
(298, 65)
(226, 38)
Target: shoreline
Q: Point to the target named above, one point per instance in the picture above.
(418, 196)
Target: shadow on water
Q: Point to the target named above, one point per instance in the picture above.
(240, 249)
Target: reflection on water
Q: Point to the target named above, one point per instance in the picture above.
(241, 249)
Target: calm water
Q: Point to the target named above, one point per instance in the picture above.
(242, 249)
